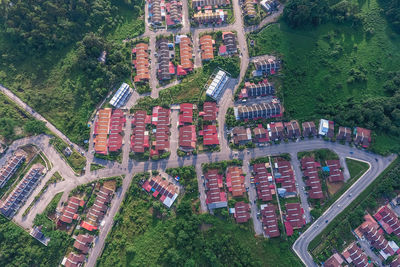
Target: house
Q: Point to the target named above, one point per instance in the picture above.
(215, 88)
(174, 13)
(242, 212)
(344, 134)
(249, 8)
(74, 260)
(209, 111)
(335, 172)
(121, 96)
(362, 137)
(235, 181)
(70, 211)
(376, 239)
(159, 186)
(117, 122)
(216, 197)
(211, 16)
(186, 113)
(388, 220)
(83, 243)
(310, 171)
(155, 12)
(11, 166)
(163, 71)
(285, 176)
(37, 233)
(266, 65)
(207, 47)
(141, 62)
(203, 3)
(16, 199)
(334, 261)
(326, 128)
(187, 137)
(260, 134)
(229, 40)
(254, 90)
(241, 135)
(98, 210)
(186, 53)
(263, 181)
(140, 137)
(264, 110)
(210, 135)
(294, 215)
(276, 131)
(269, 220)
(292, 129)
(160, 118)
(395, 262)
(353, 254)
(309, 129)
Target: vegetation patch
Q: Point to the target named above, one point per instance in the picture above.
(75, 160)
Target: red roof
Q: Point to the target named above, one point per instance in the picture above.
(269, 221)
(242, 212)
(186, 113)
(187, 137)
(222, 49)
(180, 71)
(210, 111)
(294, 215)
(171, 68)
(210, 135)
(139, 141)
(262, 184)
(214, 187)
(289, 229)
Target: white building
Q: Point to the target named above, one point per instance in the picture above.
(323, 127)
(121, 96)
(217, 85)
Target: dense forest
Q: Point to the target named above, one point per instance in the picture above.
(18, 248)
(50, 51)
(391, 8)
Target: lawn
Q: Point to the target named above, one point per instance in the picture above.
(356, 168)
(319, 64)
(75, 160)
(184, 237)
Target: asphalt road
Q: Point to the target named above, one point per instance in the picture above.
(376, 167)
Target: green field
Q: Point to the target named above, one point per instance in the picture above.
(332, 64)
(147, 234)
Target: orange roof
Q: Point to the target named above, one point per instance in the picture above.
(207, 49)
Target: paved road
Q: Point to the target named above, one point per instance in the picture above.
(376, 167)
(37, 116)
(252, 192)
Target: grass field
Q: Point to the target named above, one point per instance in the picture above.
(318, 62)
(356, 168)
